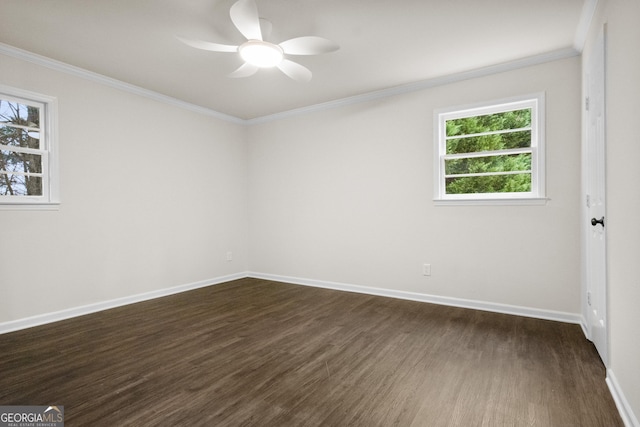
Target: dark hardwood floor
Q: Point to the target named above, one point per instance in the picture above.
(254, 352)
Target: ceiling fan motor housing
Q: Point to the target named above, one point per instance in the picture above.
(261, 54)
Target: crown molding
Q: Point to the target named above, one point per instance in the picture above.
(422, 85)
(370, 96)
(53, 64)
(588, 11)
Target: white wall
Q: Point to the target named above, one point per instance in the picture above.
(153, 196)
(623, 196)
(346, 196)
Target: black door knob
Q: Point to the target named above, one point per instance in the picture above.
(595, 222)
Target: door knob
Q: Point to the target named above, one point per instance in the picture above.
(595, 222)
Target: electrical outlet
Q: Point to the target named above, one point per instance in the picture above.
(229, 256)
(426, 269)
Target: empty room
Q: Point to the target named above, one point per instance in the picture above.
(304, 213)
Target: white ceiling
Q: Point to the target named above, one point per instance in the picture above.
(383, 43)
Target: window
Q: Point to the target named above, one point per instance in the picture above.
(492, 152)
(28, 163)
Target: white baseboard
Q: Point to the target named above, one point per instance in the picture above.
(434, 299)
(42, 319)
(585, 328)
(412, 296)
(626, 413)
(623, 406)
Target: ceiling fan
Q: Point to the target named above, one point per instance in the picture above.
(259, 53)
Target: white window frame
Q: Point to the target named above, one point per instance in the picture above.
(50, 198)
(537, 194)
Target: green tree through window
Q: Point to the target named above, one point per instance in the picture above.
(489, 150)
(490, 132)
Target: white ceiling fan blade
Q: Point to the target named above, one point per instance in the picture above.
(244, 15)
(294, 70)
(265, 27)
(245, 70)
(308, 45)
(215, 47)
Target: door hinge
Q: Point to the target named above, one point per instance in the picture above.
(589, 298)
(588, 201)
(586, 103)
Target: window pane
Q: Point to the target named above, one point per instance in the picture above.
(27, 151)
(491, 122)
(506, 163)
(517, 183)
(10, 161)
(17, 137)
(502, 141)
(19, 114)
(20, 185)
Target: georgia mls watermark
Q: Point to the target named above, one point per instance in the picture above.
(31, 416)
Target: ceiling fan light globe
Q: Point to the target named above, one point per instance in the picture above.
(261, 54)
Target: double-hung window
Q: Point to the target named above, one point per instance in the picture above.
(492, 152)
(28, 163)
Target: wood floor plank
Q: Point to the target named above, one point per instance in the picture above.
(260, 353)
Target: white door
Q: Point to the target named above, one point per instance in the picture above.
(596, 223)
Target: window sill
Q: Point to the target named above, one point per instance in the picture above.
(540, 201)
(44, 206)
